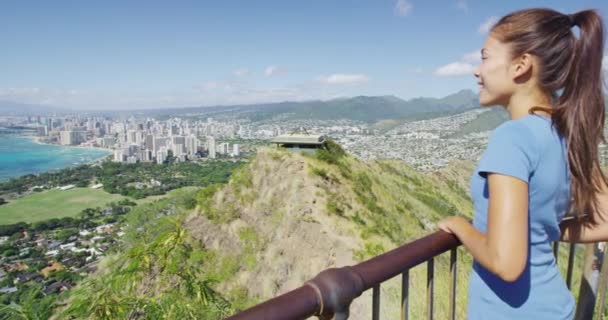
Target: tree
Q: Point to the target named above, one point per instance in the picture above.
(170, 158)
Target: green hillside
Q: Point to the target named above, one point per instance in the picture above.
(280, 220)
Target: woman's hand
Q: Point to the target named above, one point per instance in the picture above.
(450, 224)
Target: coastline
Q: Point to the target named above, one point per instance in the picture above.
(40, 163)
(37, 140)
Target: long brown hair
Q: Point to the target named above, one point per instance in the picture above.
(573, 66)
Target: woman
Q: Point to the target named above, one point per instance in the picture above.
(538, 165)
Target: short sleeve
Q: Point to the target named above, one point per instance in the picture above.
(510, 151)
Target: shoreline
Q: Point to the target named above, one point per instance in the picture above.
(96, 161)
(37, 140)
(93, 161)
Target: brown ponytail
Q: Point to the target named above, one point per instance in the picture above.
(574, 67)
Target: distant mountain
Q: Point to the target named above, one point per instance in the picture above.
(12, 108)
(365, 108)
(369, 109)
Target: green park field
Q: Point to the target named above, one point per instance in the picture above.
(54, 204)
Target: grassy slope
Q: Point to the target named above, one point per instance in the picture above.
(375, 206)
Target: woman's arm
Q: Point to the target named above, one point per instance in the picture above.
(503, 250)
(580, 230)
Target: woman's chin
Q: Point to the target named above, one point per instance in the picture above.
(485, 101)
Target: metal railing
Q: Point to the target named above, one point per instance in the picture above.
(330, 294)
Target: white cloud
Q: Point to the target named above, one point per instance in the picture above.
(487, 25)
(463, 5)
(274, 71)
(403, 7)
(465, 66)
(605, 62)
(455, 69)
(339, 78)
(241, 72)
(472, 57)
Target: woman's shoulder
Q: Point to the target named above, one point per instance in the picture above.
(529, 129)
(514, 141)
(518, 131)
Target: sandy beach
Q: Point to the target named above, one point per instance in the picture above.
(37, 139)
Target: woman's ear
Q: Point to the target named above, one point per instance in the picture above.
(522, 68)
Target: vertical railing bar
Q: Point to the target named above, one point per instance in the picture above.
(556, 250)
(429, 287)
(453, 283)
(570, 264)
(376, 302)
(405, 287)
(601, 300)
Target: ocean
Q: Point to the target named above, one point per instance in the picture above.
(21, 155)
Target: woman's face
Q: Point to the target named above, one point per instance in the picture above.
(494, 74)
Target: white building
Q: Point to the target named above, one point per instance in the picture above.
(211, 146)
(191, 145)
(65, 138)
(131, 137)
(178, 150)
(118, 156)
(224, 147)
(161, 156)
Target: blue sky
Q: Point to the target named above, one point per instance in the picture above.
(151, 54)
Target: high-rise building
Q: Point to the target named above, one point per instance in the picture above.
(191, 145)
(131, 136)
(149, 143)
(161, 156)
(159, 143)
(236, 150)
(118, 156)
(69, 137)
(65, 138)
(178, 150)
(211, 147)
(108, 141)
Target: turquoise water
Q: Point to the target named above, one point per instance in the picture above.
(21, 155)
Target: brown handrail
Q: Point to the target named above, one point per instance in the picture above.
(332, 291)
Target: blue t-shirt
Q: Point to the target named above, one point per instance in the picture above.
(531, 150)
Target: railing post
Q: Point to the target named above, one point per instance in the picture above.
(405, 288)
(336, 289)
(589, 283)
(453, 268)
(603, 283)
(430, 272)
(571, 253)
(376, 302)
